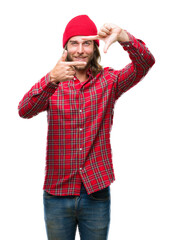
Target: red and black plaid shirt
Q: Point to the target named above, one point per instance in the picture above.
(80, 116)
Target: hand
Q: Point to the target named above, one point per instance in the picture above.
(63, 70)
(109, 33)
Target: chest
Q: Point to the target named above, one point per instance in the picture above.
(91, 97)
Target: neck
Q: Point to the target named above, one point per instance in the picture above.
(82, 75)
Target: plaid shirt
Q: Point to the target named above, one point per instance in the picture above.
(80, 117)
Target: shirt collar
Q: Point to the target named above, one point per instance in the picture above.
(89, 73)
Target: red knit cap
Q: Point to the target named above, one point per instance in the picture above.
(81, 25)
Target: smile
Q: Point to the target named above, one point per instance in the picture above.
(80, 58)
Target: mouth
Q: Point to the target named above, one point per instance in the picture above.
(80, 59)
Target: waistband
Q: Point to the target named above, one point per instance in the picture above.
(83, 189)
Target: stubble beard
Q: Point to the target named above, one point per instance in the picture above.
(80, 68)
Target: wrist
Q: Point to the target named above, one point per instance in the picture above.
(53, 80)
(123, 37)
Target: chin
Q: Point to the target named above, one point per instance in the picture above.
(81, 68)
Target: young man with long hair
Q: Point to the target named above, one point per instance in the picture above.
(79, 97)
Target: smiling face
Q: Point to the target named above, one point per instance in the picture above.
(80, 50)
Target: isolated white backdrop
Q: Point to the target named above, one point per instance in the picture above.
(142, 133)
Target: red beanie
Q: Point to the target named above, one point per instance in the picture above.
(81, 25)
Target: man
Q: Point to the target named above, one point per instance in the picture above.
(79, 97)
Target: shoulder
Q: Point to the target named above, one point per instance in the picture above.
(107, 75)
(108, 71)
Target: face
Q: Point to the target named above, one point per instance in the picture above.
(80, 50)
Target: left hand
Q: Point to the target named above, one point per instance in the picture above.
(109, 33)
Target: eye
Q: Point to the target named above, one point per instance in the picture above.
(87, 43)
(73, 43)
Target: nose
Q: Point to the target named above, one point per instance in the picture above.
(80, 48)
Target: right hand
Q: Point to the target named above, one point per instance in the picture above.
(63, 70)
(109, 33)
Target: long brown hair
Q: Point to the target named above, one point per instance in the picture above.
(94, 65)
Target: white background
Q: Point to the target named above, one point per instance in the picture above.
(142, 133)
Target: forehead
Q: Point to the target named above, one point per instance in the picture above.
(78, 39)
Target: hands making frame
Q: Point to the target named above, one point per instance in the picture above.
(109, 33)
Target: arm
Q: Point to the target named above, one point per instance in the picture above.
(142, 61)
(36, 99)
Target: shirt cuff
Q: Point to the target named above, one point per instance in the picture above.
(47, 85)
(54, 85)
(44, 85)
(133, 42)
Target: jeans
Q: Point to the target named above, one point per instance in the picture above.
(91, 213)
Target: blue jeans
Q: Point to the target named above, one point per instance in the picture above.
(91, 213)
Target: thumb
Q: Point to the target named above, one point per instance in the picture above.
(64, 56)
(108, 43)
(106, 46)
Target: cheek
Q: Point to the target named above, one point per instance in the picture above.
(90, 54)
(89, 51)
(71, 50)
(70, 55)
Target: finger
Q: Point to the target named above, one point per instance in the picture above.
(70, 77)
(71, 68)
(107, 26)
(76, 63)
(102, 34)
(112, 38)
(71, 73)
(64, 56)
(106, 30)
(106, 46)
(95, 37)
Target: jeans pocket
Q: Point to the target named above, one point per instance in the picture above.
(48, 195)
(101, 195)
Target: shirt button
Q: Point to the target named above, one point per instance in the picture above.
(80, 168)
(127, 45)
(80, 110)
(80, 149)
(81, 129)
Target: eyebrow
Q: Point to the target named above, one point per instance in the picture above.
(77, 41)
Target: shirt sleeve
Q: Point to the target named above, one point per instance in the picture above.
(142, 61)
(36, 99)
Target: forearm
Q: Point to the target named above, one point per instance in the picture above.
(142, 61)
(36, 99)
(140, 55)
